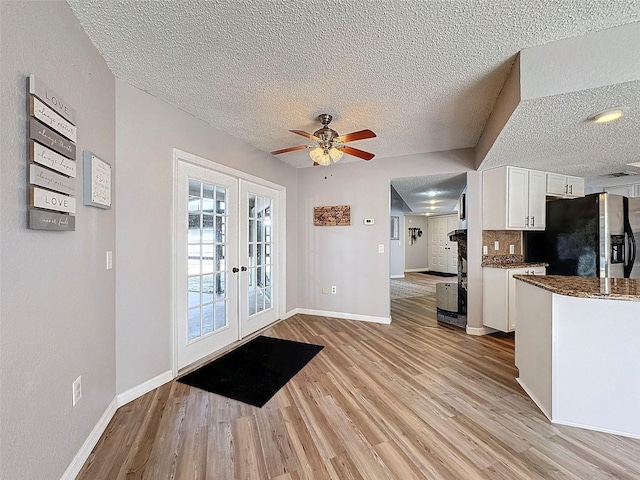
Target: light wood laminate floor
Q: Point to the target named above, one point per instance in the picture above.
(410, 400)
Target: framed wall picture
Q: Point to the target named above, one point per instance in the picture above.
(395, 228)
(96, 181)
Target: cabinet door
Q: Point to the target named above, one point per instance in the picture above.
(575, 186)
(625, 190)
(511, 296)
(517, 197)
(556, 184)
(537, 201)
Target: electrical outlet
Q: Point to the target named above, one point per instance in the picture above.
(512, 249)
(325, 289)
(381, 248)
(485, 250)
(334, 290)
(77, 390)
(496, 245)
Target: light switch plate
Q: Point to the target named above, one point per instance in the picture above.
(496, 245)
(109, 259)
(485, 250)
(381, 248)
(512, 249)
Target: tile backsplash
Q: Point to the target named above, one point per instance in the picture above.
(504, 239)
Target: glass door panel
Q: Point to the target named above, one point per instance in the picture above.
(206, 305)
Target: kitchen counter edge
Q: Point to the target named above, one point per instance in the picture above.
(587, 287)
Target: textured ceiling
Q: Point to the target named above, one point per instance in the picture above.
(431, 194)
(424, 75)
(554, 134)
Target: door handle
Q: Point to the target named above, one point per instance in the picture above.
(571, 189)
(243, 268)
(533, 221)
(235, 269)
(526, 221)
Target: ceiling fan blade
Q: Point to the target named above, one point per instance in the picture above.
(357, 153)
(305, 134)
(290, 149)
(353, 136)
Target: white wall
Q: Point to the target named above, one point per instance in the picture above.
(147, 130)
(416, 256)
(348, 256)
(57, 300)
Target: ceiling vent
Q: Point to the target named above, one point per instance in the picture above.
(627, 173)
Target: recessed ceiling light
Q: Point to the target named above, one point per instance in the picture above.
(432, 193)
(609, 115)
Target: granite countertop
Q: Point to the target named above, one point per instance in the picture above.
(509, 261)
(587, 287)
(515, 265)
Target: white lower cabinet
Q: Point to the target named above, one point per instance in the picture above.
(498, 295)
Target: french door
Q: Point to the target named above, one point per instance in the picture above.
(226, 282)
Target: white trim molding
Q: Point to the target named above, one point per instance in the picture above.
(87, 447)
(397, 276)
(146, 387)
(424, 269)
(340, 315)
(480, 330)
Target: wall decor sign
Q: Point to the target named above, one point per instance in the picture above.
(339, 215)
(97, 181)
(41, 198)
(51, 98)
(47, 157)
(44, 135)
(49, 117)
(43, 177)
(51, 135)
(43, 220)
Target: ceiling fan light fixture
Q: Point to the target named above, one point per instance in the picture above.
(319, 156)
(609, 115)
(335, 154)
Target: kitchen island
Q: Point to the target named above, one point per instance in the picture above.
(578, 350)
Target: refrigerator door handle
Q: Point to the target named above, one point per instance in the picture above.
(631, 241)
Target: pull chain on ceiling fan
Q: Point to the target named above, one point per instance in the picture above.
(329, 146)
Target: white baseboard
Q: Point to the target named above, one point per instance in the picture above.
(596, 429)
(146, 387)
(424, 269)
(83, 454)
(344, 316)
(480, 330)
(539, 404)
(397, 276)
(81, 457)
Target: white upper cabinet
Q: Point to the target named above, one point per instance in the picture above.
(564, 186)
(513, 199)
(626, 190)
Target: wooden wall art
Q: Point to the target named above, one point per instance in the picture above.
(52, 155)
(339, 215)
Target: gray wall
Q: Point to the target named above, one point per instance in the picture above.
(416, 256)
(348, 256)
(396, 247)
(147, 129)
(57, 300)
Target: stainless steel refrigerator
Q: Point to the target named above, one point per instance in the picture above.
(592, 236)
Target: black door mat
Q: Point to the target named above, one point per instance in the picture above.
(255, 371)
(439, 274)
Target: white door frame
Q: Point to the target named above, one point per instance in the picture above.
(182, 156)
